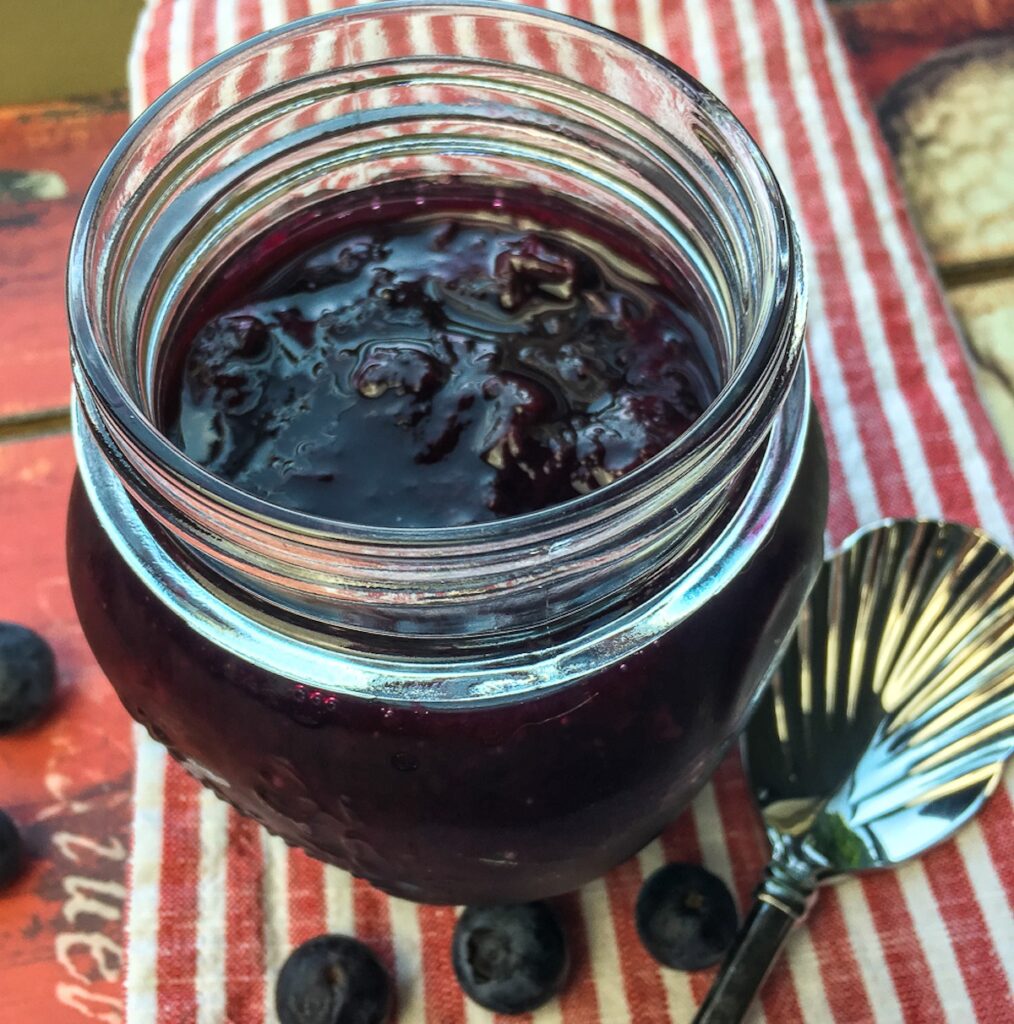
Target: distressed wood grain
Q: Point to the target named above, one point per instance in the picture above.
(48, 156)
(65, 781)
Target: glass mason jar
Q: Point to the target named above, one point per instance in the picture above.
(494, 712)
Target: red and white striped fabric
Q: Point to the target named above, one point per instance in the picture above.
(216, 903)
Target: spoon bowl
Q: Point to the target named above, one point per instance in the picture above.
(886, 727)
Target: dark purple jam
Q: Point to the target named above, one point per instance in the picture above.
(391, 363)
(438, 364)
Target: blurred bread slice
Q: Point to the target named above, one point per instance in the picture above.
(950, 124)
(986, 312)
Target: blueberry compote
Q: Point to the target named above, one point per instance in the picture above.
(437, 364)
(429, 366)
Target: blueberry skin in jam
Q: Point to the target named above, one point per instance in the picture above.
(486, 802)
(440, 368)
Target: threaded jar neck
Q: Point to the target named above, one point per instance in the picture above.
(492, 95)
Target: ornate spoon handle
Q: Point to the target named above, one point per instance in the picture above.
(751, 958)
(783, 900)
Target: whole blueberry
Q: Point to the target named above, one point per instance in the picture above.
(686, 917)
(333, 979)
(510, 959)
(11, 854)
(27, 676)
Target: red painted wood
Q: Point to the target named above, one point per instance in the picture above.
(66, 781)
(69, 140)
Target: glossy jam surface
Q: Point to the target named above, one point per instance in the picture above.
(437, 365)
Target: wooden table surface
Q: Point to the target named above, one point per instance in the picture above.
(66, 781)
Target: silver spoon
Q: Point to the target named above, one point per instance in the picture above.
(885, 729)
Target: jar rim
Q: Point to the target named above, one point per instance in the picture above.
(467, 675)
(773, 355)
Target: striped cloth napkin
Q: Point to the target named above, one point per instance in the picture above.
(216, 903)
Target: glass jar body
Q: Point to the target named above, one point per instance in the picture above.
(503, 801)
(496, 712)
